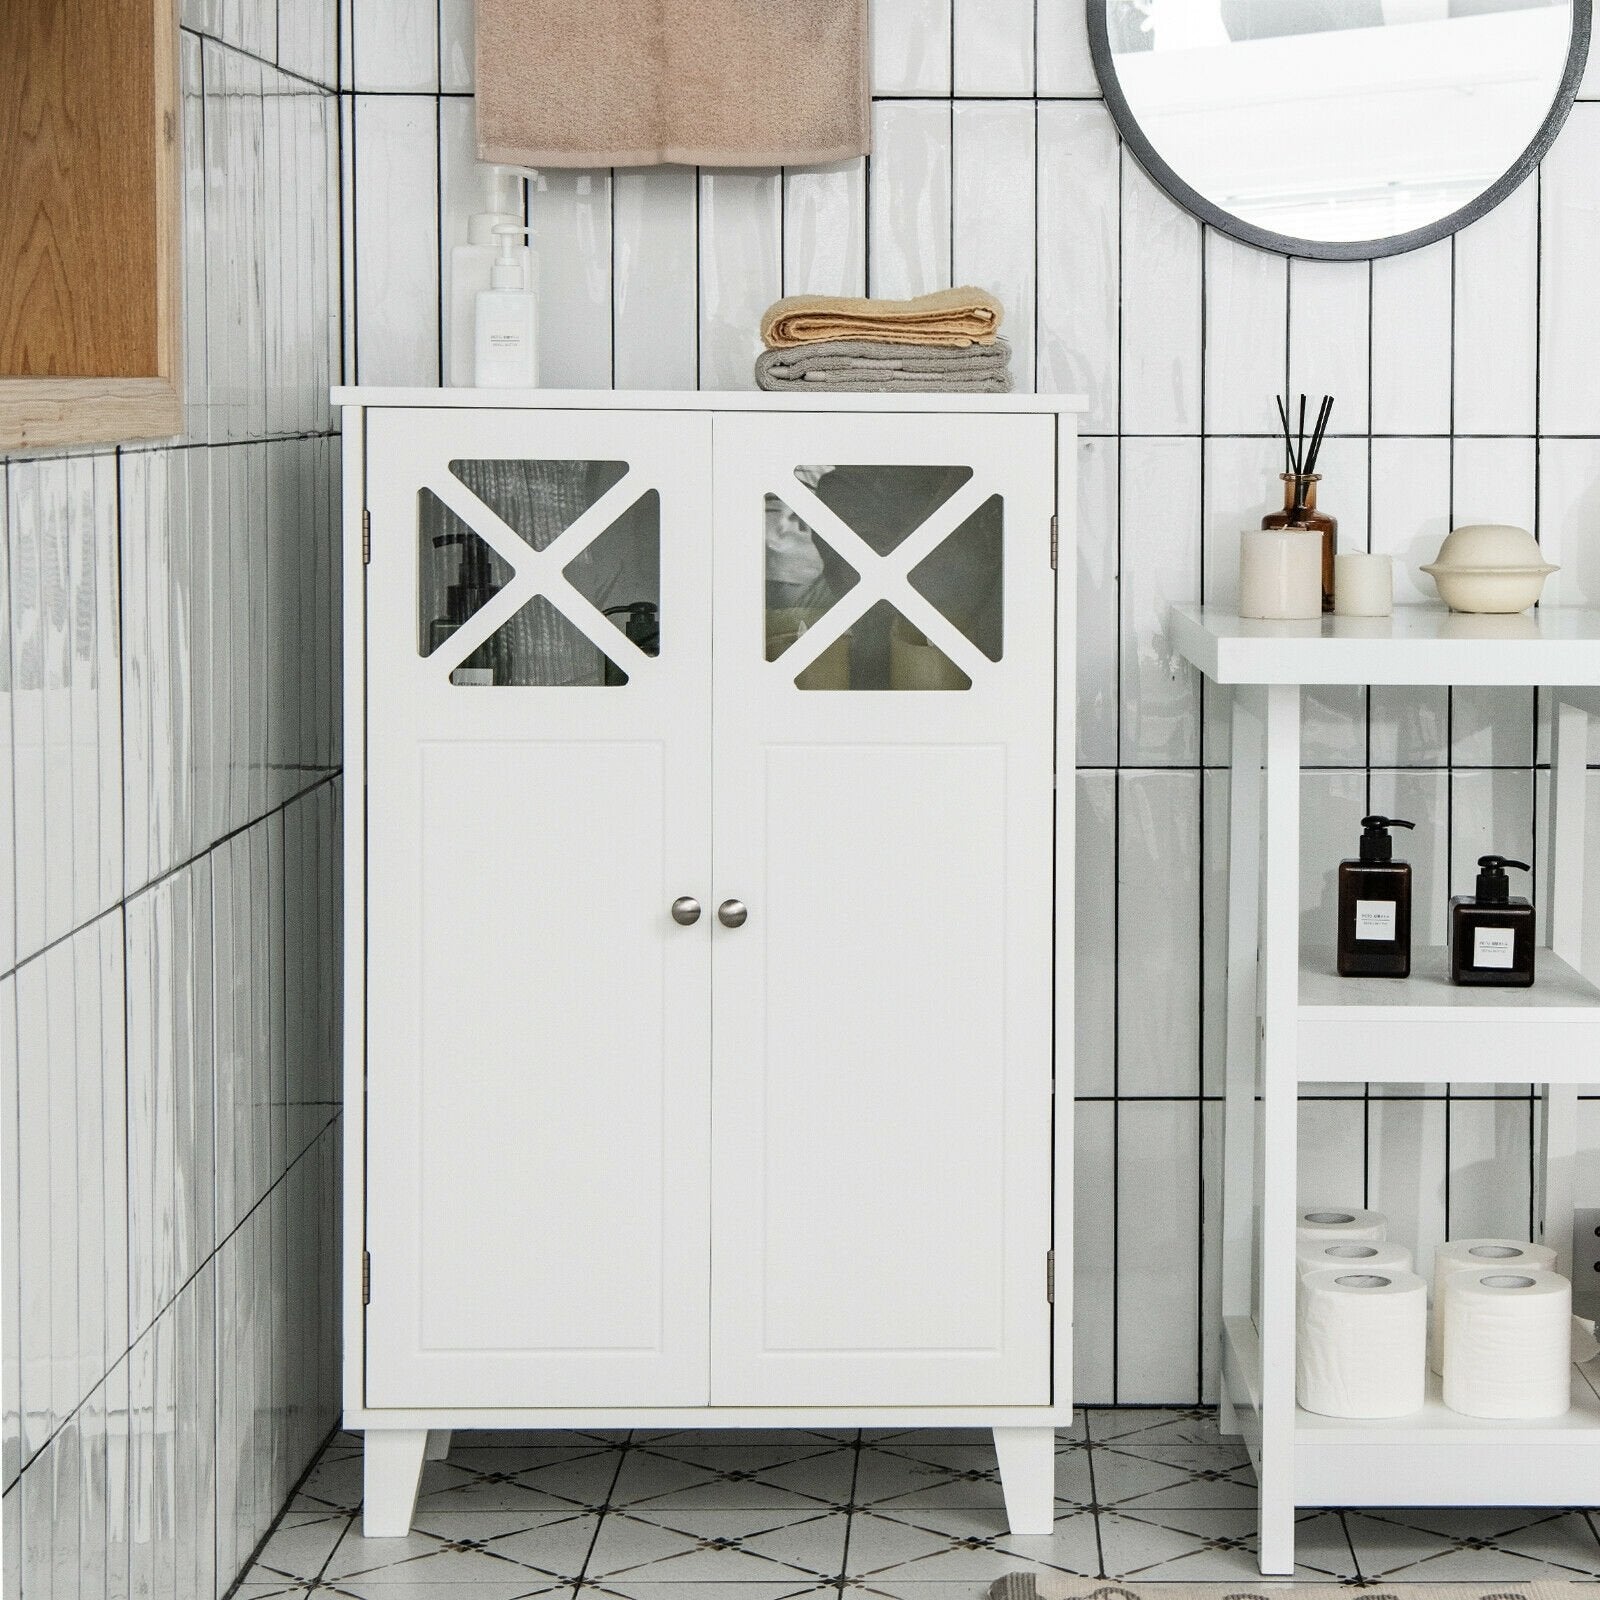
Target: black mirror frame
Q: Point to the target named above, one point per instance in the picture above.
(1335, 249)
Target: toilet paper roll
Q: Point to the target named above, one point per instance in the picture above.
(1482, 1255)
(1340, 1222)
(1507, 1344)
(1352, 1255)
(1363, 1343)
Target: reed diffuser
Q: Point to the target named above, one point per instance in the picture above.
(1300, 480)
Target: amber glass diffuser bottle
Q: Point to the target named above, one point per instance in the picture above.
(1300, 480)
(1300, 511)
(1375, 906)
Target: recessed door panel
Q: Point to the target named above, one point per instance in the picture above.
(884, 808)
(538, 659)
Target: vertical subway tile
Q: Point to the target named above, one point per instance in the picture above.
(396, 224)
(457, 66)
(1491, 811)
(1161, 321)
(1569, 239)
(1078, 259)
(1246, 335)
(824, 231)
(1332, 1152)
(570, 214)
(1491, 1192)
(1160, 565)
(1158, 1268)
(1406, 1167)
(1158, 933)
(1410, 517)
(10, 1243)
(909, 210)
(1094, 1265)
(993, 47)
(1095, 911)
(1411, 340)
(1098, 603)
(1421, 796)
(992, 204)
(461, 194)
(1569, 517)
(1497, 317)
(8, 838)
(741, 270)
(1215, 789)
(1065, 65)
(911, 47)
(1329, 322)
(1493, 481)
(395, 45)
(26, 570)
(1332, 805)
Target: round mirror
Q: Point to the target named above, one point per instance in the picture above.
(1339, 128)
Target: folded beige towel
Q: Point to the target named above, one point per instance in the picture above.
(635, 83)
(950, 317)
(870, 365)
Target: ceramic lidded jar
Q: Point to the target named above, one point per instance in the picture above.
(1490, 567)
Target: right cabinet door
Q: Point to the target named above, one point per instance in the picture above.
(883, 689)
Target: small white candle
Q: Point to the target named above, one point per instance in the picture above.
(1363, 585)
(1280, 574)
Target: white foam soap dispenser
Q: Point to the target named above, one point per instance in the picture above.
(504, 349)
(471, 264)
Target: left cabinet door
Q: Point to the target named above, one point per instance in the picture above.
(538, 652)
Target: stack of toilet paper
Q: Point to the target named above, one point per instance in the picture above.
(1502, 1334)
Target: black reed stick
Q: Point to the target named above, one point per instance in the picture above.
(1323, 413)
(1288, 444)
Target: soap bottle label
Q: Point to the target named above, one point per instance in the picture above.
(1492, 947)
(1375, 919)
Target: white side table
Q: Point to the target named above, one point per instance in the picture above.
(1291, 1021)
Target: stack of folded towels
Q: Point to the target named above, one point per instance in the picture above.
(948, 341)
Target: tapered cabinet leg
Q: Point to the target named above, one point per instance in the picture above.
(391, 1469)
(438, 1445)
(1028, 1477)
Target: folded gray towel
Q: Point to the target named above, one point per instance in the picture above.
(868, 365)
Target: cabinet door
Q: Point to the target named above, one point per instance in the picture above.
(538, 796)
(884, 692)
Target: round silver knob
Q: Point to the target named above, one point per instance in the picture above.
(686, 910)
(732, 913)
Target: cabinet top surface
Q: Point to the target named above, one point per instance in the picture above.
(1420, 644)
(705, 400)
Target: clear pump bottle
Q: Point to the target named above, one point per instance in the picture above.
(505, 352)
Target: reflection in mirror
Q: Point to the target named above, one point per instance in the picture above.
(1339, 127)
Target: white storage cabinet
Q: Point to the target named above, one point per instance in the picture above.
(708, 1010)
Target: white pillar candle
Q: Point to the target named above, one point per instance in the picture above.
(1363, 585)
(1280, 574)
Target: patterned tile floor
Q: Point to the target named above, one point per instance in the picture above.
(908, 1516)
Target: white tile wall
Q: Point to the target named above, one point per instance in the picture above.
(169, 824)
(1464, 383)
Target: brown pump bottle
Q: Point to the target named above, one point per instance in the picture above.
(1375, 906)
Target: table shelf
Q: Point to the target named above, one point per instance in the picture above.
(1291, 1020)
(1369, 1030)
(1435, 1456)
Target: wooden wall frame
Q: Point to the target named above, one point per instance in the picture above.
(91, 301)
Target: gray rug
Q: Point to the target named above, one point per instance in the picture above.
(1050, 1586)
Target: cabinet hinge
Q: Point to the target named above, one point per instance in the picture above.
(1050, 1276)
(1055, 539)
(366, 537)
(366, 1279)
